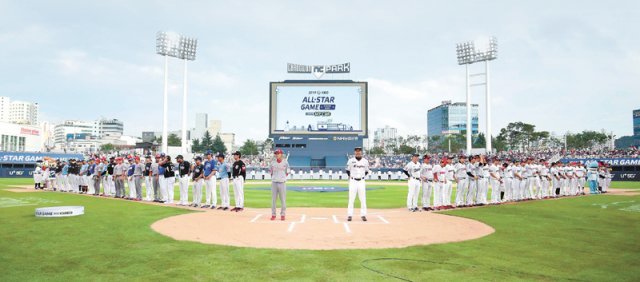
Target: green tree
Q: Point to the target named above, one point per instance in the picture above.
(267, 145)
(480, 141)
(207, 142)
(107, 147)
(195, 146)
(406, 149)
(249, 147)
(586, 139)
(174, 140)
(520, 135)
(376, 151)
(218, 145)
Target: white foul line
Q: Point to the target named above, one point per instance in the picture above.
(291, 226)
(335, 219)
(256, 218)
(383, 220)
(346, 227)
(303, 217)
(318, 218)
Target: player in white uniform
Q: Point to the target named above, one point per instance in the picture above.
(462, 181)
(412, 170)
(482, 171)
(507, 172)
(581, 173)
(357, 170)
(439, 178)
(472, 167)
(495, 181)
(545, 179)
(448, 184)
(426, 175)
(518, 179)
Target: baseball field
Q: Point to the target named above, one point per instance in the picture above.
(589, 238)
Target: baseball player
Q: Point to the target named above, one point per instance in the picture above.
(184, 173)
(155, 172)
(210, 182)
(111, 184)
(412, 170)
(97, 177)
(279, 171)
(239, 173)
(170, 180)
(461, 181)
(495, 181)
(162, 182)
(426, 175)
(148, 178)
(119, 173)
(517, 181)
(581, 172)
(357, 170)
(507, 177)
(472, 167)
(224, 173)
(72, 177)
(439, 178)
(138, 172)
(483, 181)
(448, 184)
(131, 167)
(198, 181)
(545, 180)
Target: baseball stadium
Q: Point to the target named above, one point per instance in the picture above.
(394, 164)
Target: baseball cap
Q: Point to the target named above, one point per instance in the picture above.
(237, 153)
(221, 155)
(198, 158)
(179, 157)
(426, 157)
(278, 151)
(208, 152)
(357, 149)
(415, 155)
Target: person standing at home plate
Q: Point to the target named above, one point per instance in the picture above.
(279, 171)
(198, 181)
(412, 170)
(357, 170)
(426, 175)
(224, 173)
(239, 173)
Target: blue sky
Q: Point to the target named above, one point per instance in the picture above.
(562, 65)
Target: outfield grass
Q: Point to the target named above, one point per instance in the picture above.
(567, 239)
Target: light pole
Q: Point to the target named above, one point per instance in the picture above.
(170, 44)
(468, 54)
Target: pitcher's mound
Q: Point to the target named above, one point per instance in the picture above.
(320, 229)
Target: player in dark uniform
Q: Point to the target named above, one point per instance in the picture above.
(239, 174)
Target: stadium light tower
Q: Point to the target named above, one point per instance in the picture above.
(170, 44)
(468, 54)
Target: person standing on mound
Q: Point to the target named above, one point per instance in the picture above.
(357, 170)
(279, 172)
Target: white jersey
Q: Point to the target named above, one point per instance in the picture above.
(508, 171)
(358, 168)
(517, 171)
(413, 169)
(450, 171)
(580, 172)
(461, 170)
(494, 170)
(544, 171)
(485, 171)
(441, 172)
(427, 171)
